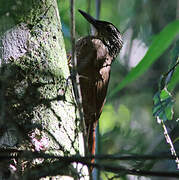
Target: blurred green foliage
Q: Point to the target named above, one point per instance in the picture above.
(157, 47)
(111, 118)
(127, 124)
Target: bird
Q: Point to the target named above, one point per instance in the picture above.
(95, 54)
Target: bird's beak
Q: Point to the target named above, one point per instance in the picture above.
(90, 19)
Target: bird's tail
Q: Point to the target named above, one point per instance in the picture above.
(92, 142)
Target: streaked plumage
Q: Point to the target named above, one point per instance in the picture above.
(94, 58)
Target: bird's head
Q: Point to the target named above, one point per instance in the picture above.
(107, 32)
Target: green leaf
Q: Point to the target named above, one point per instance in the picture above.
(163, 105)
(158, 46)
(164, 95)
(174, 80)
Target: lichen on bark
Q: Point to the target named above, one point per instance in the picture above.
(37, 110)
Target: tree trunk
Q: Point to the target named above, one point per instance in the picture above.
(37, 109)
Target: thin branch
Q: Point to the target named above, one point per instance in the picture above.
(169, 141)
(177, 10)
(75, 78)
(96, 172)
(98, 7)
(138, 172)
(86, 161)
(13, 153)
(88, 6)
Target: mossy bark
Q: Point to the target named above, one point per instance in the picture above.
(37, 109)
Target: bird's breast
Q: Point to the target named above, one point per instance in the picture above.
(92, 58)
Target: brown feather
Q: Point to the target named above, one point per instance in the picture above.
(94, 58)
(94, 66)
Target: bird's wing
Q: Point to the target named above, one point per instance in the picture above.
(103, 74)
(93, 65)
(86, 58)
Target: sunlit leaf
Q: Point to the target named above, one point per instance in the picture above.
(163, 105)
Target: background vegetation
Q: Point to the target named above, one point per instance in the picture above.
(127, 124)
